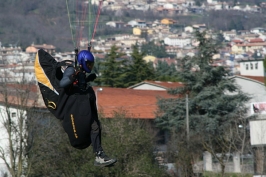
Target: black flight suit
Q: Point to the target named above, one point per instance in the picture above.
(81, 121)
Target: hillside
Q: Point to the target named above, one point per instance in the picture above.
(26, 22)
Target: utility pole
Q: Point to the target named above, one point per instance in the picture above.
(187, 118)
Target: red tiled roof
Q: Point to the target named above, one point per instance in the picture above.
(256, 40)
(160, 84)
(166, 84)
(252, 44)
(19, 94)
(237, 41)
(256, 78)
(140, 104)
(137, 103)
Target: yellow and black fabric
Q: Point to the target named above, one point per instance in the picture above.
(81, 120)
(75, 107)
(48, 74)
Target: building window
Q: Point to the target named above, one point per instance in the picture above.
(13, 114)
(246, 66)
(251, 66)
(256, 65)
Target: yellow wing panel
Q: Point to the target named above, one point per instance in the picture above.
(40, 74)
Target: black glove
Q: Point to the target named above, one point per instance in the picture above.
(91, 77)
(82, 80)
(73, 77)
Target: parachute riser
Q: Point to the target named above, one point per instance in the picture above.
(89, 47)
(76, 58)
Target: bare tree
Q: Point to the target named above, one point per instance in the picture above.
(15, 99)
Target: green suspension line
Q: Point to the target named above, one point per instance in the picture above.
(72, 34)
(89, 19)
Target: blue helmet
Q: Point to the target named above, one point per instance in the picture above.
(83, 57)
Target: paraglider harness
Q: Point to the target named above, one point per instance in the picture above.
(48, 73)
(73, 106)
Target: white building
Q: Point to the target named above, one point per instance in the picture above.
(189, 29)
(252, 68)
(177, 41)
(17, 116)
(19, 73)
(257, 30)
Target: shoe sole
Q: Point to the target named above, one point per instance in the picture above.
(109, 164)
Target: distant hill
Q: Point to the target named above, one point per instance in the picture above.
(26, 22)
(23, 22)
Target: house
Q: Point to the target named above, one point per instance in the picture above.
(200, 27)
(167, 21)
(252, 81)
(188, 3)
(13, 55)
(32, 50)
(149, 58)
(137, 23)
(228, 35)
(156, 85)
(189, 29)
(169, 11)
(177, 41)
(140, 31)
(237, 41)
(65, 56)
(243, 32)
(257, 30)
(172, 50)
(255, 40)
(252, 68)
(253, 86)
(138, 103)
(247, 47)
(17, 73)
(250, 36)
(115, 24)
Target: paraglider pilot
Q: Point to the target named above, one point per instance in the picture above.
(81, 121)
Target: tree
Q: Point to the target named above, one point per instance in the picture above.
(264, 66)
(164, 72)
(152, 49)
(15, 100)
(131, 141)
(127, 139)
(215, 101)
(112, 69)
(138, 70)
(51, 153)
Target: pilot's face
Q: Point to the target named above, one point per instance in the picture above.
(90, 65)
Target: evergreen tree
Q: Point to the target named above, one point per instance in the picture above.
(156, 50)
(215, 101)
(138, 69)
(164, 72)
(112, 69)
